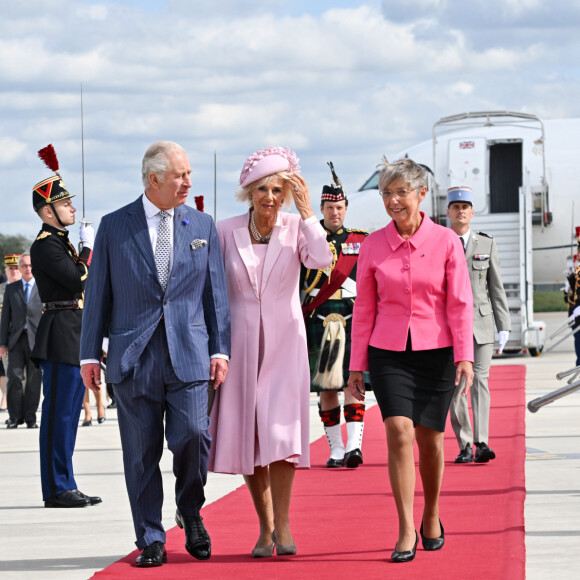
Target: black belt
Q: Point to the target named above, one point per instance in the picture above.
(76, 304)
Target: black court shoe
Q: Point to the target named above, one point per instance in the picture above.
(430, 545)
(407, 555)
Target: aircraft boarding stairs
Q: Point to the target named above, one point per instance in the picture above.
(505, 230)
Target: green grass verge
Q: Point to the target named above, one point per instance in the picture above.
(549, 302)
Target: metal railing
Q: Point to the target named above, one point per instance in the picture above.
(573, 386)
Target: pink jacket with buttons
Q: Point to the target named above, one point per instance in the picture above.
(419, 285)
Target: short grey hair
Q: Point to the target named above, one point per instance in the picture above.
(23, 256)
(156, 160)
(243, 194)
(404, 169)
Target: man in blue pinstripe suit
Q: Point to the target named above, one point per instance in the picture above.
(158, 280)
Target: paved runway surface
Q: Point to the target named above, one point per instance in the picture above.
(39, 543)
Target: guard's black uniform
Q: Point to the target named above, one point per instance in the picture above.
(60, 275)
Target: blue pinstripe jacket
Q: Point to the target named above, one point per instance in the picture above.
(124, 290)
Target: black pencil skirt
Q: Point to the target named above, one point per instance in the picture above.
(415, 384)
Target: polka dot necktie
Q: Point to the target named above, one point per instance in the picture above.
(163, 248)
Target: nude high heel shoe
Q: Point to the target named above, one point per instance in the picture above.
(284, 549)
(265, 552)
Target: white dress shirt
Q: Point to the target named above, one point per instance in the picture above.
(153, 218)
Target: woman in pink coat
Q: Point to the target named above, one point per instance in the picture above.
(260, 416)
(412, 323)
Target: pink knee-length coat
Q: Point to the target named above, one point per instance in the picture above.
(261, 413)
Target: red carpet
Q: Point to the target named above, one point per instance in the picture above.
(345, 524)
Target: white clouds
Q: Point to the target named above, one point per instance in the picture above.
(93, 12)
(460, 89)
(11, 150)
(346, 84)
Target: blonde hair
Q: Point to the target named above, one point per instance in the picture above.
(243, 194)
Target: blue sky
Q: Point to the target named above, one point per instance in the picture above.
(341, 81)
(292, 7)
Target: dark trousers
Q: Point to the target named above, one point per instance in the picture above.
(23, 387)
(577, 347)
(61, 408)
(150, 394)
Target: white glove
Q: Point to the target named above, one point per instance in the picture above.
(87, 235)
(503, 338)
(576, 312)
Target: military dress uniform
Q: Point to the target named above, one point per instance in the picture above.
(489, 306)
(340, 302)
(328, 300)
(573, 302)
(60, 275)
(9, 260)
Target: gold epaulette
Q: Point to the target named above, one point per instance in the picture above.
(43, 235)
(355, 231)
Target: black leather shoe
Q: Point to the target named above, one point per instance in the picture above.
(31, 426)
(94, 499)
(67, 499)
(13, 424)
(353, 458)
(197, 540)
(465, 455)
(406, 556)
(483, 453)
(152, 556)
(334, 463)
(113, 405)
(433, 544)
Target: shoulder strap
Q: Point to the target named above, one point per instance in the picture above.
(340, 273)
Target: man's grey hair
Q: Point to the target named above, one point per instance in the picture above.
(156, 160)
(23, 256)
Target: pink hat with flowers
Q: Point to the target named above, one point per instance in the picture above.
(267, 162)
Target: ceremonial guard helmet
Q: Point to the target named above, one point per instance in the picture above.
(53, 188)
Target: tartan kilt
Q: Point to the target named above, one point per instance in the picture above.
(315, 332)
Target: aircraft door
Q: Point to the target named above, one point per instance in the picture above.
(467, 161)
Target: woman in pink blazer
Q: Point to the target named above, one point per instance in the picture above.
(412, 330)
(260, 417)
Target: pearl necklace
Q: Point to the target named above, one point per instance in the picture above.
(256, 234)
